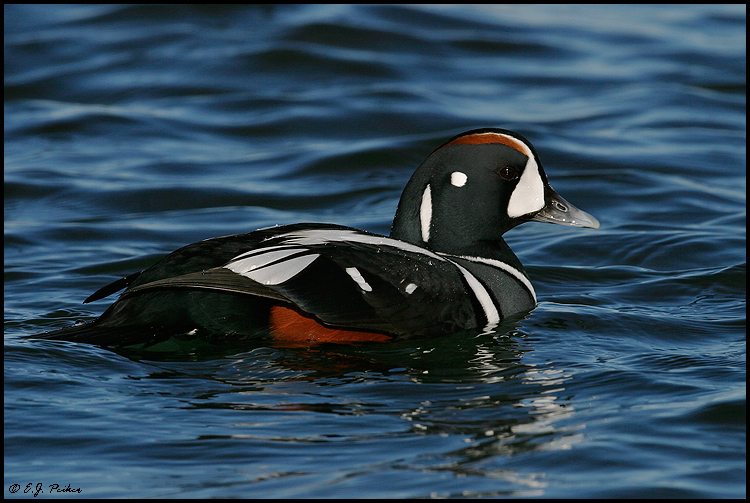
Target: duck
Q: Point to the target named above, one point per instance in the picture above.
(443, 269)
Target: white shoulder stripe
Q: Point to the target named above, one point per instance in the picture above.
(309, 237)
(505, 267)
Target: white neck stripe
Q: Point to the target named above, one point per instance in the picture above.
(501, 265)
(425, 213)
(483, 296)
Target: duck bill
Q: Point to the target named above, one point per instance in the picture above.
(560, 211)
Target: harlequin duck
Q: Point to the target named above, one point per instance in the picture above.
(444, 267)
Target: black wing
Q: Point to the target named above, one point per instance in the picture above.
(344, 277)
(373, 283)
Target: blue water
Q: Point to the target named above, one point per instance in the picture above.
(131, 131)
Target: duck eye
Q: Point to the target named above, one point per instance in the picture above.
(508, 172)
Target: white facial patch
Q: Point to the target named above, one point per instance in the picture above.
(357, 277)
(528, 196)
(410, 288)
(425, 213)
(458, 179)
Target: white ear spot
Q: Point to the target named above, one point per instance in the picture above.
(528, 196)
(410, 288)
(458, 179)
(425, 214)
(357, 277)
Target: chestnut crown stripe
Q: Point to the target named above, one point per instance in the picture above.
(488, 138)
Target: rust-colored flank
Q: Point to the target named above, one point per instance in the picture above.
(292, 328)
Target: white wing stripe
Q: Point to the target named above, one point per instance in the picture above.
(267, 273)
(358, 278)
(254, 259)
